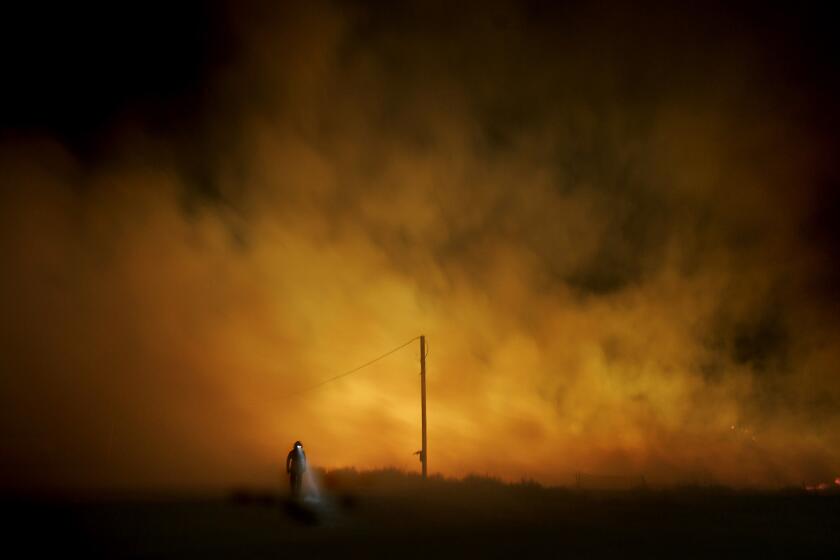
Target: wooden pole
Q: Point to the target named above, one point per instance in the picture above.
(424, 457)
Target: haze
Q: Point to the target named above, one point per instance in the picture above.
(615, 228)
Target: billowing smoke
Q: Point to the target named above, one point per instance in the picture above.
(618, 242)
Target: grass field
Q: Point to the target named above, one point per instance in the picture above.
(388, 514)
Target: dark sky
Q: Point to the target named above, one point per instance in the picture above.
(71, 70)
(616, 223)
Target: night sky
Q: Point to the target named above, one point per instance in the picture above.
(615, 223)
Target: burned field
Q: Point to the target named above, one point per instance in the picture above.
(388, 514)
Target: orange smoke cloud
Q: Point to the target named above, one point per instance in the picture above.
(609, 266)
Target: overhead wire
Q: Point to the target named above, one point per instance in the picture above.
(354, 370)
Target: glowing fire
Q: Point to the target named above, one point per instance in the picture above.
(821, 486)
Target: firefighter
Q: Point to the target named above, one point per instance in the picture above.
(295, 467)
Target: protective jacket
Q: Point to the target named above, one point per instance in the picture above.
(296, 460)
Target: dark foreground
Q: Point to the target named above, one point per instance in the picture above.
(395, 516)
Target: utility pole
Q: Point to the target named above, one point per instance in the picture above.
(424, 457)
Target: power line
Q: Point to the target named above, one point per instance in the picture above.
(354, 370)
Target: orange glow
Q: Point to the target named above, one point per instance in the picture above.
(606, 287)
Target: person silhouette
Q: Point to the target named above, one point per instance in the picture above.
(295, 467)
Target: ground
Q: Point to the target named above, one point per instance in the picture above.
(388, 514)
